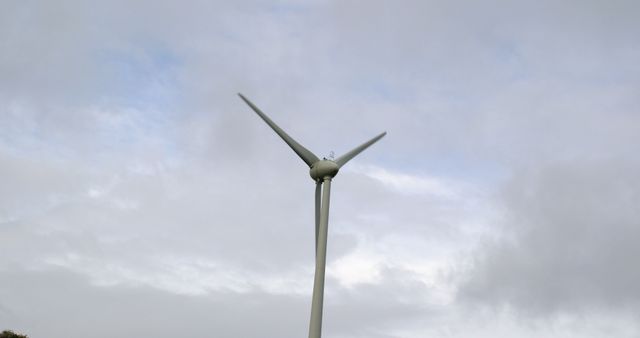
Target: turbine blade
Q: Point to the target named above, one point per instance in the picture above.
(318, 205)
(353, 153)
(307, 156)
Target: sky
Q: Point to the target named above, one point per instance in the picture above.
(140, 196)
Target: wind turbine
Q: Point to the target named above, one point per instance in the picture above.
(321, 171)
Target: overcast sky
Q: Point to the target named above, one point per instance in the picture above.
(139, 196)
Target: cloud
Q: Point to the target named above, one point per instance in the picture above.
(409, 184)
(573, 227)
(133, 176)
(59, 303)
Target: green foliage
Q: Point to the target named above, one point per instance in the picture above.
(11, 334)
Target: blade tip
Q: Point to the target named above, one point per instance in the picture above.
(245, 100)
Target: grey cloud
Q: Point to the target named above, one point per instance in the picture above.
(573, 229)
(127, 158)
(515, 77)
(63, 304)
(377, 309)
(341, 48)
(58, 303)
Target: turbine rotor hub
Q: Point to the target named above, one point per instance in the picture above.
(322, 169)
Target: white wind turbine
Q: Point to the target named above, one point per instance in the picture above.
(321, 171)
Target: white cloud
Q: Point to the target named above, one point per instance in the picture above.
(410, 184)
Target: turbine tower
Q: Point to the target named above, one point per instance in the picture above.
(321, 171)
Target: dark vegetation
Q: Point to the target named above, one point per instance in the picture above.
(11, 334)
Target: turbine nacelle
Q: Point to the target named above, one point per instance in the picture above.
(323, 169)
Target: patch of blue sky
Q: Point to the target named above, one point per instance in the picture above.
(143, 76)
(449, 165)
(508, 56)
(289, 7)
(25, 132)
(455, 162)
(141, 99)
(380, 90)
